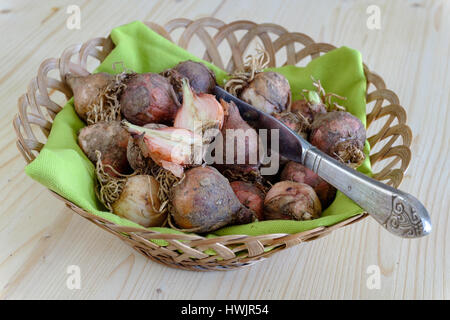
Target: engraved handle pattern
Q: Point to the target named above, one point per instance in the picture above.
(404, 219)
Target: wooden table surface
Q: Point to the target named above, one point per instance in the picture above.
(40, 237)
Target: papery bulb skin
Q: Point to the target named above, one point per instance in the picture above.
(199, 112)
(111, 140)
(87, 90)
(204, 201)
(340, 135)
(289, 200)
(297, 172)
(169, 147)
(269, 92)
(139, 202)
(201, 79)
(148, 98)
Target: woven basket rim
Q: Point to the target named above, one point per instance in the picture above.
(192, 248)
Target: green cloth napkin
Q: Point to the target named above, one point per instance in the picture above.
(62, 167)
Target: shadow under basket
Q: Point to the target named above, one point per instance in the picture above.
(390, 144)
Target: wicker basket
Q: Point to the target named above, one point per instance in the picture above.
(37, 111)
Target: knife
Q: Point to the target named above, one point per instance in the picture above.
(399, 212)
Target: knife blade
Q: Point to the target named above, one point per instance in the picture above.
(292, 145)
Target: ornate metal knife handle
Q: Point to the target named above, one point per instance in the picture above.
(397, 211)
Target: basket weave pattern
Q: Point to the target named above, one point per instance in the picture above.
(37, 111)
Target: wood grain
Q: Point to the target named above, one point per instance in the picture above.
(39, 237)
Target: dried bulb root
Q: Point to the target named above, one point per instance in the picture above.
(340, 135)
(253, 65)
(325, 97)
(107, 108)
(87, 90)
(166, 180)
(109, 188)
(96, 95)
(130, 196)
(296, 121)
(268, 91)
(349, 154)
